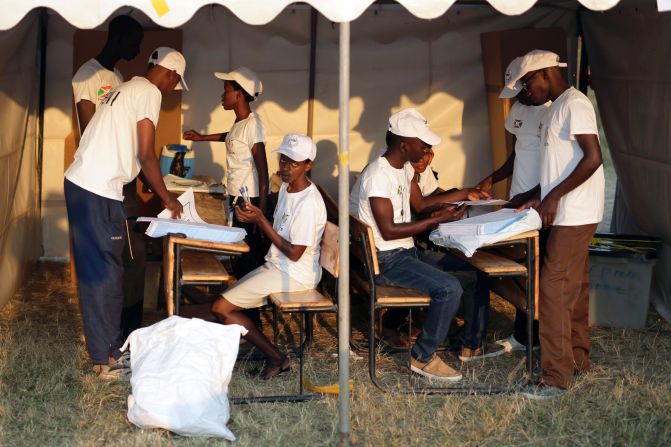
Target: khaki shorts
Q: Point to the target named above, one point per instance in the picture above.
(253, 289)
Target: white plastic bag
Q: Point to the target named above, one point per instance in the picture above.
(181, 369)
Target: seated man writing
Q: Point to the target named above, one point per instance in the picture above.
(471, 339)
(292, 263)
(383, 196)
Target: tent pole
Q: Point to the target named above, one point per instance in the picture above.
(313, 64)
(44, 21)
(343, 222)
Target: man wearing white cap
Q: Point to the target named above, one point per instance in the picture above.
(246, 163)
(117, 144)
(523, 164)
(571, 205)
(384, 204)
(292, 263)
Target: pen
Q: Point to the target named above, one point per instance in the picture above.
(244, 194)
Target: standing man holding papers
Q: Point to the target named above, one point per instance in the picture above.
(571, 205)
(117, 144)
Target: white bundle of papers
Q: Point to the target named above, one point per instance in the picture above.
(489, 223)
(190, 224)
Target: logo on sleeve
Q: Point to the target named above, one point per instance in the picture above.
(517, 124)
(103, 91)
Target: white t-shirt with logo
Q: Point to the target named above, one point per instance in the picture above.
(427, 182)
(380, 179)
(525, 123)
(106, 158)
(299, 218)
(569, 115)
(93, 82)
(241, 169)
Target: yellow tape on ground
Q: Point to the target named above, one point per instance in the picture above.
(161, 7)
(325, 389)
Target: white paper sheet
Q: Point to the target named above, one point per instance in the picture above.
(489, 223)
(179, 184)
(484, 202)
(189, 214)
(193, 230)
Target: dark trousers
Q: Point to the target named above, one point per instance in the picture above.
(97, 226)
(401, 267)
(564, 304)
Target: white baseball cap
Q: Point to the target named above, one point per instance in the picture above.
(410, 123)
(172, 60)
(247, 79)
(532, 61)
(298, 147)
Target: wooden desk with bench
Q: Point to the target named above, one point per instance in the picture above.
(189, 261)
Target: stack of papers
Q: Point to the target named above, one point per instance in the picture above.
(191, 224)
(489, 223)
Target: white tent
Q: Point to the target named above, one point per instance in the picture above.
(398, 60)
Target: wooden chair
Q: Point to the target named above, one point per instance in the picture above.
(307, 303)
(331, 205)
(365, 267)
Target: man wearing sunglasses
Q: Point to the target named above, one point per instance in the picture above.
(570, 205)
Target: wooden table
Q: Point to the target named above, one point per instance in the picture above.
(502, 263)
(212, 208)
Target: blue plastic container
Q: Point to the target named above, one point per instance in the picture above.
(168, 154)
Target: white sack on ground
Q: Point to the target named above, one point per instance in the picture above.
(181, 369)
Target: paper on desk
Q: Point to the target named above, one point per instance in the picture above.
(191, 224)
(189, 214)
(179, 184)
(483, 202)
(469, 243)
(193, 230)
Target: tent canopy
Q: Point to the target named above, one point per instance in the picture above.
(173, 13)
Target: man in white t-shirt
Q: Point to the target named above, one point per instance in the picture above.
(523, 124)
(90, 85)
(384, 203)
(571, 205)
(292, 263)
(116, 145)
(97, 76)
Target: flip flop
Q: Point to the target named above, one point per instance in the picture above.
(270, 370)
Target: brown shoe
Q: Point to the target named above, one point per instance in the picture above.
(485, 351)
(435, 369)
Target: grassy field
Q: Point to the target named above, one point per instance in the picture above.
(47, 396)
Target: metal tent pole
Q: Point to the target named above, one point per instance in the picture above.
(343, 222)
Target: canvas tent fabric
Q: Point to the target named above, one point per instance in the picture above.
(174, 13)
(20, 232)
(631, 81)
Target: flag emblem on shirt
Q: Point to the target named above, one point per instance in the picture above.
(518, 124)
(103, 91)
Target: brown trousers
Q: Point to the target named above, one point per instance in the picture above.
(564, 304)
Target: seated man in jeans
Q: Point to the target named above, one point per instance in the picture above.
(384, 204)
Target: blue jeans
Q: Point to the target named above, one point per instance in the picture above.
(474, 305)
(401, 267)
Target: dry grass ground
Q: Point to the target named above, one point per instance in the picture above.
(48, 398)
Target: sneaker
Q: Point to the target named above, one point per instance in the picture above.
(511, 344)
(485, 351)
(435, 369)
(542, 391)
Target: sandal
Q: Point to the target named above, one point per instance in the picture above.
(270, 370)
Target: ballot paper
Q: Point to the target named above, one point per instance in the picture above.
(189, 213)
(483, 202)
(489, 223)
(190, 224)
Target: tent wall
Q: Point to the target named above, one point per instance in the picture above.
(398, 60)
(19, 204)
(632, 80)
